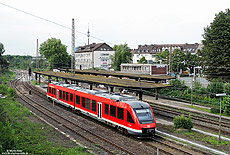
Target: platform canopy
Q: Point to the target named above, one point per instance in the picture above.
(112, 82)
(121, 74)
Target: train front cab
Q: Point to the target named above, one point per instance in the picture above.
(144, 120)
(147, 121)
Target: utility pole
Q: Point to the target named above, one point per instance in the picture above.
(170, 64)
(37, 57)
(72, 48)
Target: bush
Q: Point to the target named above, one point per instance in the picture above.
(189, 124)
(226, 104)
(227, 89)
(179, 85)
(183, 122)
(3, 89)
(216, 86)
(215, 109)
(11, 92)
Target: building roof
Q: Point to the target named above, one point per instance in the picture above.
(157, 48)
(90, 47)
(121, 74)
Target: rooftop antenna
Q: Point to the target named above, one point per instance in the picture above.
(88, 35)
(72, 48)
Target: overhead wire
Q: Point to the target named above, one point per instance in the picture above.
(50, 21)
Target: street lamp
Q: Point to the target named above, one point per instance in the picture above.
(220, 95)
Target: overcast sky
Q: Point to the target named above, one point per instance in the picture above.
(134, 22)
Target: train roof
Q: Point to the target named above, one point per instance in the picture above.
(131, 100)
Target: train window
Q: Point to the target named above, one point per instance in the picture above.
(60, 94)
(120, 113)
(83, 102)
(71, 97)
(88, 104)
(50, 90)
(54, 91)
(107, 109)
(63, 95)
(94, 103)
(112, 111)
(77, 99)
(67, 96)
(129, 117)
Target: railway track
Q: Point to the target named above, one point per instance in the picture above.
(201, 120)
(99, 141)
(162, 149)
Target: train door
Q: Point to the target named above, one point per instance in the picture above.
(57, 94)
(99, 109)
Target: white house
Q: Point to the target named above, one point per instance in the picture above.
(150, 51)
(93, 56)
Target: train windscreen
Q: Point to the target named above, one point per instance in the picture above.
(144, 115)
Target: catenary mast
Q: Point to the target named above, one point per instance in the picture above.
(73, 47)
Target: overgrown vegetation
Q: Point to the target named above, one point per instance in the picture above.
(6, 76)
(183, 122)
(23, 62)
(199, 94)
(204, 138)
(34, 82)
(18, 132)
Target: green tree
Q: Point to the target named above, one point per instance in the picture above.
(191, 61)
(215, 55)
(2, 50)
(56, 53)
(3, 62)
(163, 57)
(178, 58)
(18, 62)
(122, 55)
(143, 60)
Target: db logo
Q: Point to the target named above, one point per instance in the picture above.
(148, 126)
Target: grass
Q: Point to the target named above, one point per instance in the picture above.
(34, 82)
(199, 108)
(204, 138)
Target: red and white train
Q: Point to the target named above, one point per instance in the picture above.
(121, 111)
